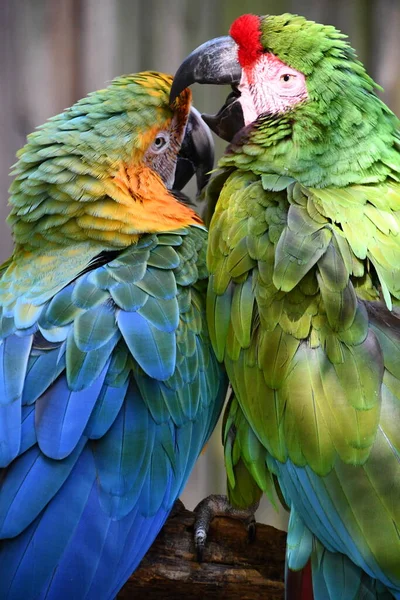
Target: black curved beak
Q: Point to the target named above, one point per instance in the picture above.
(214, 62)
(196, 156)
(229, 119)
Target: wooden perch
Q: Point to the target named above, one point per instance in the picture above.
(232, 569)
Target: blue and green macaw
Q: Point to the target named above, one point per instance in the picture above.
(109, 386)
(304, 295)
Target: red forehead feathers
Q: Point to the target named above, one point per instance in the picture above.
(246, 33)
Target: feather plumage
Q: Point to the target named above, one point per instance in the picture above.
(99, 403)
(109, 386)
(303, 298)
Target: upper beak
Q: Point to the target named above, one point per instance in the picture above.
(196, 155)
(214, 62)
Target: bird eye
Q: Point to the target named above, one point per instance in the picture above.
(160, 142)
(286, 77)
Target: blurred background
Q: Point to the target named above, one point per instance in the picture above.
(53, 52)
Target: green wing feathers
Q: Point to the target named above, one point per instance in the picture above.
(293, 273)
(246, 467)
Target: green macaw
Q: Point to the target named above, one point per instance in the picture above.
(109, 386)
(303, 296)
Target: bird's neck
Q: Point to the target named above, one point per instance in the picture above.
(331, 150)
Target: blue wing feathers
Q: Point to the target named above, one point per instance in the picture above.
(106, 409)
(83, 368)
(163, 314)
(10, 431)
(126, 272)
(54, 334)
(156, 282)
(299, 542)
(174, 401)
(154, 350)
(119, 394)
(29, 560)
(86, 294)
(82, 554)
(28, 430)
(42, 371)
(123, 455)
(14, 356)
(156, 486)
(61, 416)
(61, 310)
(94, 328)
(128, 296)
(21, 499)
(164, 258)
(151, 388)
(7, 325)
(315, 506)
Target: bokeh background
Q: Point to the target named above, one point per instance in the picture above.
(53, 52)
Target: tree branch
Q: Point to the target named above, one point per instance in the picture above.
(232, 568)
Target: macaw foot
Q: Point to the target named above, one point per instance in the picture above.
(219, 506)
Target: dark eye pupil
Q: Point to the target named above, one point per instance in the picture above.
(160, 142)
(286, 77)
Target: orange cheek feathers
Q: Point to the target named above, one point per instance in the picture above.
(148, 205)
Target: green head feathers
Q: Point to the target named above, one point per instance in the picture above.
(95, 178)
(77, 177)
(311, 109)
(321, 52)
(341, 132)
(304, 44)
(105, 127)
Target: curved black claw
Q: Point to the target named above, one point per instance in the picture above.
(251, 529)
(217, 505)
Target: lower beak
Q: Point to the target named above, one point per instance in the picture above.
(196, 156)
(228, 120)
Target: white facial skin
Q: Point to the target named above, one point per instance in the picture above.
(161, 155)
(270, 87)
